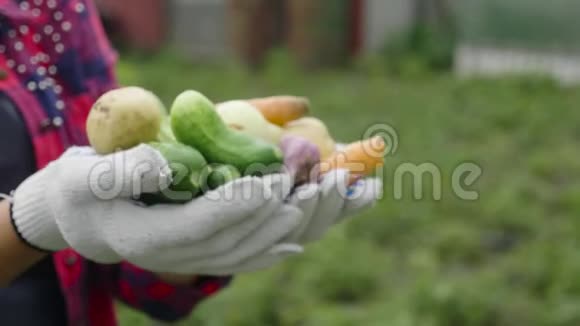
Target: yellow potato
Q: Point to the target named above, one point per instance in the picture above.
(313, 130)
(123, 118)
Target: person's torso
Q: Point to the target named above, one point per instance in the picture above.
(54, 62)
(35, 297)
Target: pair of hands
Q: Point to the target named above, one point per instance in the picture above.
(85, 201)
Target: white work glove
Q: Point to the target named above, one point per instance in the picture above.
(331, 201)
(76, 201)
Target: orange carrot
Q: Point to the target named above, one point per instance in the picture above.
(282, 109)
(360, 158)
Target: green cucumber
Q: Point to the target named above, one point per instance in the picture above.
(187, 165)
(196, 123)
(222, 174)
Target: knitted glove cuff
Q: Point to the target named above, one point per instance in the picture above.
(31, 215)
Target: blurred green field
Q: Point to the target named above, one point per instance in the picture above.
(510, 258)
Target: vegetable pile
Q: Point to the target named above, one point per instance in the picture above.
(209, 144)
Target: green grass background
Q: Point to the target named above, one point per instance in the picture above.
(510, 258)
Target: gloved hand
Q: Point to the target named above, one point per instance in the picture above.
(84, 201)
(330, 202)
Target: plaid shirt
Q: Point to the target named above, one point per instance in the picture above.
(55, 61)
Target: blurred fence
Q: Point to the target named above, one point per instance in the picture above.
(316, 32)
(199, 28)
(135, 23)
(519, 36)
(494, 37)
(537, 24)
